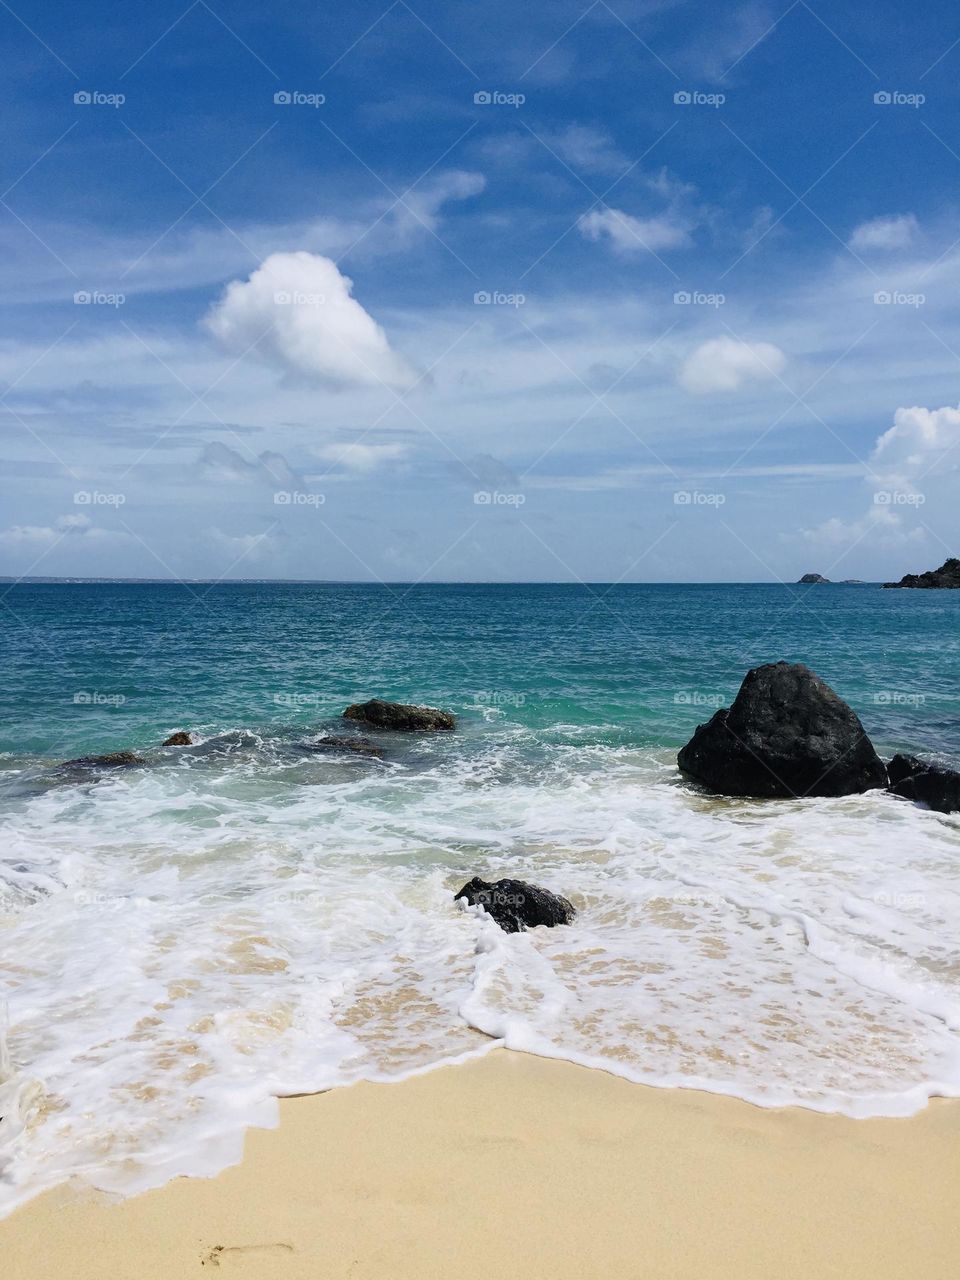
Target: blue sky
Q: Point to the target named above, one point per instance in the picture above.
(639, 291)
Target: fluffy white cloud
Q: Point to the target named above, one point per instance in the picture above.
(628, 234)
(724, 364)
(885, 233)
(75, 526)
(296, 310)
(361, 457)
(884, 528)
(915, 442)
(223, 464)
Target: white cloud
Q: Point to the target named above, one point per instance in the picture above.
(885, 233)
(362, 457)
(883, 527)
(243, 546)
(724, 364)
(226, 465)
(632, 235)
(915, 441)
(297, 310)
(75, 526)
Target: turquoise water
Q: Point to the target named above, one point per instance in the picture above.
(617, 660)
(184, 940)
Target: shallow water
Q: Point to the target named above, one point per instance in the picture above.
(184, 940)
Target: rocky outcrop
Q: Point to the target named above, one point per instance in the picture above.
(179, 739)
(948, 575)
(786, 734)
(112, 760)
(930, 784)
(516, 905)
(359, 746)
(809, 578)
(400, 716)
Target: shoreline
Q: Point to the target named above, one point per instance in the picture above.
(511, 1164)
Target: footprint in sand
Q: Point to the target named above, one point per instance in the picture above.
(222, 1254)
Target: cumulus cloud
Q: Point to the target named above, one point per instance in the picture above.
(916, 441)
(885, 233)
(628, 234)
(297, 312)
(226, 465)
(76, 526)
(885, 528)
(362, 457)
(724, 364)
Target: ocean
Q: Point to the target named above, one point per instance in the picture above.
(183, 941)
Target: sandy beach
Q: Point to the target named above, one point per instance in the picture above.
(514, 1165)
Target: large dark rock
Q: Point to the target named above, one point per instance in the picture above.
(179, 739)
(401, 716)
(516, 905)
(786, 734)
(809, 578)
(930, 784)
(948, 575)
(113, 760)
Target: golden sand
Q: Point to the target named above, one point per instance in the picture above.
(515, 1166)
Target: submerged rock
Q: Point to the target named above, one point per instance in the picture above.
(786, 734)
(948, 575)
(516, 905)
(112, 760)
(179, 739)
(929, 784)
(360, 746)
(401, 716)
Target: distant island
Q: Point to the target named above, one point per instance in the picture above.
(948, 575)
(810, 579)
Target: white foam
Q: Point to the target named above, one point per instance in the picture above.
(184, 944)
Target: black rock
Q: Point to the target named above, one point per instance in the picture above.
(113, 760)
(813, 577)
(360, 746)
(179, 739)
(948, 575)
(516, 905)
(786, 734)
(401, 716)
(929, 784)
